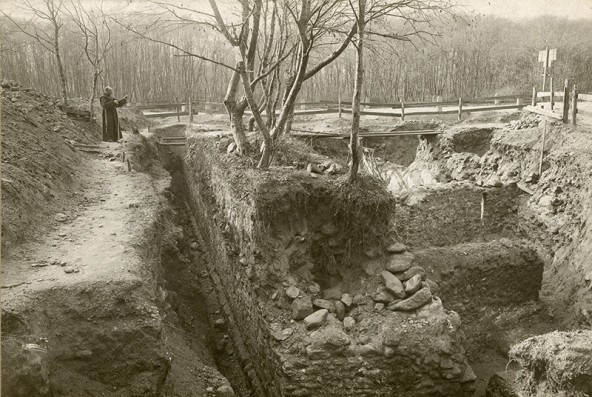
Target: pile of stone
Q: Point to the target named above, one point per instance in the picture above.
(328, 167)
(405, 287)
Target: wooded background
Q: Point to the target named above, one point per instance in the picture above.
(491, 55)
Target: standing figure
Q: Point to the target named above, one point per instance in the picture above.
(111, 129)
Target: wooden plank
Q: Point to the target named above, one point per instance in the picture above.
(548, 94)
(366, 134)
(543, 112)
(165, 114)
(585, 97)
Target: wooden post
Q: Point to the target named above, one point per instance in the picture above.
(534, 96)
(546, 65)
(496, 102)
(190, 111)
(460, 109)
(566, 102)
(177, 108)
(402, 111)
(542, 149)
(574, 106)
(339, 99)
(551, 92)
(439, 99)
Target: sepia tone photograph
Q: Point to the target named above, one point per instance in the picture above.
(296, 198)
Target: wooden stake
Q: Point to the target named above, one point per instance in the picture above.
(129, 166)
(566, 102)
(177, 107)
(574, 106)
(402, 111)
(542, 149)
(551, 92)
(190, 111)
(460, 109)
(534, 96)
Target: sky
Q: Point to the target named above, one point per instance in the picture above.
(512, 9)
(521, 9)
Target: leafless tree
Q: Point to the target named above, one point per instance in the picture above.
(51, 12)
(96, 42)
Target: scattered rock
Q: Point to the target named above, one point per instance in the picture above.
(314, 288)
(324, 304)
(393, 284)
(371, 253)
(417, 300)
(61, 217)
(301, 308)
(400, 263)
(383, 296)
(413, 284)
(292, 292)
(283, 334)
(219, 323)
(225, 391)
(231, 148)
(406, 275)
(493, 181)
(316, 319)
(194, 246)
(396, 248)
(333, 169)
(340, 310)
(347, 300)
(348, 323)
(379, 306)
(359, 300)
(314, 169)
(70, 270)
(432, 285)
(502, 384)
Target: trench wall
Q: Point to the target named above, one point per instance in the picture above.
(249, 221)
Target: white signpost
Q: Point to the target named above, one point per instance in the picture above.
(547, 57)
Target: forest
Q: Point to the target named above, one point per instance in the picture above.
(478, 56)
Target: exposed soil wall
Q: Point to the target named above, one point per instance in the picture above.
(556, 217)
(271, 232)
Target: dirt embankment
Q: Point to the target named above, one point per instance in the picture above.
(85, 309)
(300, 262)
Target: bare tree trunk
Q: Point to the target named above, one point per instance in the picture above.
(92, 95)
(267, 147)
(60, 66)
(236, 111)
(355, 128)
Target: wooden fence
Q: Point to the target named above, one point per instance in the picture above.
(397, 109)
(544, 103)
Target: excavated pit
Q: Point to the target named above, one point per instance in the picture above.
(263, 235)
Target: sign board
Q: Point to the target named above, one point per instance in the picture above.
(552, 56)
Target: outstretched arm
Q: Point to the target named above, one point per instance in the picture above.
(108, 103)
(122, 101)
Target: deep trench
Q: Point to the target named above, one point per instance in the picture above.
(196, 303)
(192, 293)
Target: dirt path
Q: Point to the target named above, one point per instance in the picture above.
(91, 241)
(82, 295)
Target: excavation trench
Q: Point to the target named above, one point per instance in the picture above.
(247, 240)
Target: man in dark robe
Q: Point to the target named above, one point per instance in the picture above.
(111, 129)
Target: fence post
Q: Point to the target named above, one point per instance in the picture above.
(402, 111)
(574, 107)
(542, 148)
(439, 99)
(566, 102)
(496, 102)
(534, 96)
(339, 99)
(460, 103)
(190, 111)
(551, 92)
(177, 109)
